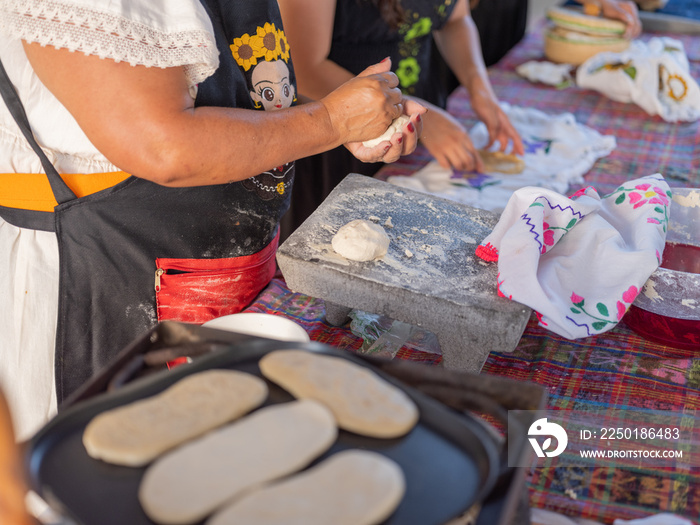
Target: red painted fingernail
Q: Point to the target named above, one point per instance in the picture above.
(387, 58)
(387, 148)
(418, 118)
(410, 127)
(400, 140)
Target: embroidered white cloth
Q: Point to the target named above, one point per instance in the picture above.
(579, 262)
(558, 152)
(654, 75)
(558, 75)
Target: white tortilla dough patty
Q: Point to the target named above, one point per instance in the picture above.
(136, 433)
(191, 482)
(361, 401)
(353, 487)
(361, 240)
(395, 127)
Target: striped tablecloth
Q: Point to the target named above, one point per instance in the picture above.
(616, 370)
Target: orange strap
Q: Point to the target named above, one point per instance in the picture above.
(31, 191)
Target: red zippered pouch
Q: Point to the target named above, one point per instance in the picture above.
(198, 290)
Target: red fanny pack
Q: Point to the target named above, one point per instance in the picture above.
(198, 290)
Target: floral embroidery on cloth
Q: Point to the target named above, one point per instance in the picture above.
(655, 75)
(579, 262)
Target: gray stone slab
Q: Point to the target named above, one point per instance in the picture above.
(430, 276)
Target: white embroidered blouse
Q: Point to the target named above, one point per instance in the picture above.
(157, 33)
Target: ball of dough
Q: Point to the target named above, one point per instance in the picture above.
(361, 240)
(394, 127)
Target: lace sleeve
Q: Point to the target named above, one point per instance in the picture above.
(164, 33)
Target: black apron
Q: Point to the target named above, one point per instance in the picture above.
(108, 241)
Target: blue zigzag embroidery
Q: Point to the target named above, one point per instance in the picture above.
(527, 220)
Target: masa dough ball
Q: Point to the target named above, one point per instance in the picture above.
(395, 127)
(361, 240)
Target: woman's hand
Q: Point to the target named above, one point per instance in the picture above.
(627, 12)
(364, 107)
(403, 143)
(497, 123)
(448, 141)
(624, 10)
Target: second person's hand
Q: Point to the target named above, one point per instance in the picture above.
(449, 143)
(497, 123)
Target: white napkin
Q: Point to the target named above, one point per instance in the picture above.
(558, 75)
(653, 75)
(558, 152)
(579, 262)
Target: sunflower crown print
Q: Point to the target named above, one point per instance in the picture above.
(264, 57)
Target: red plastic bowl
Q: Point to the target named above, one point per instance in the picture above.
(669, 331)
(668, 308)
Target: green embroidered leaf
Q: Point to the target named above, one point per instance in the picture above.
(571, 224)
(620, 199)
(658, 209)
(536, 204)
(602, 309)
(575, 310)
(631, 71)
(599, 325)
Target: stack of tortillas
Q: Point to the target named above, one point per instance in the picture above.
(575, 36)
(231, 472)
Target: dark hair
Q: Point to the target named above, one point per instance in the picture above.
(391, 12)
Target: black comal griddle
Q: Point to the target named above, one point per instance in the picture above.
(451, 461)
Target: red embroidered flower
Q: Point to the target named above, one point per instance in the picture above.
(548, 237)
(576, 299)
(621, 309)
(630, 295)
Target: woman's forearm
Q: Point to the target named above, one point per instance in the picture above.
(144, 121)
(459, 44)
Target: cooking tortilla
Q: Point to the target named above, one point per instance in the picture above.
(353, 487)
(135, 434)
(361, 401)
(500, 162)
(191, 482)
